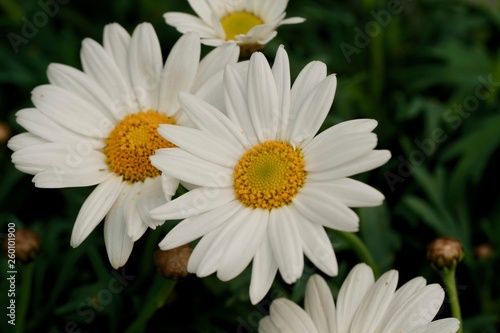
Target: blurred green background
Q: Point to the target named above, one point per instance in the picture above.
(428, 71)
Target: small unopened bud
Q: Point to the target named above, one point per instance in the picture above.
(5, 133)
(483, 251)
(445, 252)
(172, 264)
(26, 244)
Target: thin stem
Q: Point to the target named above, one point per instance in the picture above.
(155, 302)
(25, 292)
(450, 284)
(361, 249)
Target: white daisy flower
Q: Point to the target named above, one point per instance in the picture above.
(246, 22)
(267, 185)
(99, 127)
(363, 305)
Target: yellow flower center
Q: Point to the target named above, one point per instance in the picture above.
(269, 175)
(239, 23)
(132, 142)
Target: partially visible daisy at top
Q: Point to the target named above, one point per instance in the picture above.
(99, 127)
(363, 305)
(250, 23)
(267, 184)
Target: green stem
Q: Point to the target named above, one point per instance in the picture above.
(450, 284)
(155, 302)
(25, 292)
(361, 249)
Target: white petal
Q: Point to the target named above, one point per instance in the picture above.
(402, 295)
(322, 209)
(135, 227)
(204, 145)
(263, 103)
(235, 90)
(187, 167)
(345, 148)
(281, 73)
(212, 258)
(24, 140)
(350, 192)
(286, 244)
(292, 20)
(290, 318)
(71, 111)
(370, 161)
(185, 23)
(375, 303)
(313, 111)
(197, 226)
(99, 65)
(319, 305)
(194, 202)
(145, 63)
(95, 207)
(91, 170)
(201, 249)
(214, 62)
(448, 325)
(264, 269)
(211, 120)
(417, 311)
(341, 129)
(352, 292)
(312, 74)
(179, 72)
(266, 325)
(118, 243)
(39, 124)
(202, 9)
(116, 41)
(317, 246)
(169, 185)
(243, 245)
(151, 197)
(82, 86)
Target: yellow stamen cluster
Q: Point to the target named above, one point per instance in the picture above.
(269, 175)
(132, 142)
(238, 23)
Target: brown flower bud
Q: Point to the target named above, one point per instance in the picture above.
(445, 252)
(5, 133)
(25, 243)
(172, 264)
(483, 251)
(246, 50)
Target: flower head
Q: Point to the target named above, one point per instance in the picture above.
(99, 127)
(363, 305)
(246, 22)
(266, 184)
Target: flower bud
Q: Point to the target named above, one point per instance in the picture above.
(483, 251)
(172, 264)
(5, 133)
(445, 252)
(26, 244)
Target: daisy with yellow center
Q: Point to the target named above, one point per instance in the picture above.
(363, 305)
(250, 23)
(100, 127)
(266, 185)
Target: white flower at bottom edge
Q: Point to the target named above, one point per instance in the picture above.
(99, 127)
(267, 184)
(363, 305)
(240, 21)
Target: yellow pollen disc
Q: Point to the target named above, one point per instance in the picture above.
(239, 23)
(132, 142)
(269, 175)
